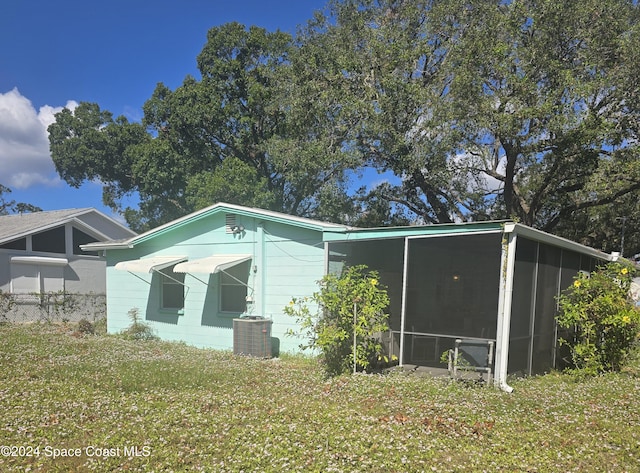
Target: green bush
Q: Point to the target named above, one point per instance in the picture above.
(602, 320)
(100, 326)
(7, 301)
(138, 330)
(330, 325)
(85, 327)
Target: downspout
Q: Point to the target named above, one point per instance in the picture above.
(403, 307)
(260, 270)
(505, 297)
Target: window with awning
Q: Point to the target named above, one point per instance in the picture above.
(36, 274)
(232, 281)
(172, 287)
(233, 270)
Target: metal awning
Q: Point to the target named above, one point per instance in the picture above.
(210, 264)
(149, 265)
(40, 260)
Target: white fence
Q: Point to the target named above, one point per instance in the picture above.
(52, 307)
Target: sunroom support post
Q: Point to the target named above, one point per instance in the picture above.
(403, 308)
(505, 299)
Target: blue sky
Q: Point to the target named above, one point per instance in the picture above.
(58, 53)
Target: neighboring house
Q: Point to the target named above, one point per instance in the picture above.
(40, 251)
(634, 291)
(486, 281)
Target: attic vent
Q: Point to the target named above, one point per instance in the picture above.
(230, 222)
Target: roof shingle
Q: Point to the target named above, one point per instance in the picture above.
(18, 225)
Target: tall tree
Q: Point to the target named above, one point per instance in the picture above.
(380, 65)
(541, 91)
(489, 109)
(611, 228)
(11, 206)
(89, 144)
(222, 137)
(480, 109)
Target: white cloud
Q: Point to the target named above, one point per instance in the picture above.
(25, 160)
(469, 168)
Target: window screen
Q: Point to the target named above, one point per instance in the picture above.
(522, 305)
(172, 289)
(51, 241)
(233, 288)
(547, 291)
(81, 238)
(541, 273)
(453, 285)
(19, 244)
(385, 256)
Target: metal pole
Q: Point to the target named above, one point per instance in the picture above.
(403, 307)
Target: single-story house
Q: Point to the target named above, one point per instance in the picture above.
(40, 251)
(192, 279)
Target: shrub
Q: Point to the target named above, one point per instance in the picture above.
(85, 327)
(601, 318)
(100, 326)
(58, 303)
(7, 301)
(330, 327)
(138, 330)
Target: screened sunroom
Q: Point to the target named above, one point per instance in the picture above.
(492, 282)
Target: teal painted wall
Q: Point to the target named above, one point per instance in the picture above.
(295, 263)
(287, 261)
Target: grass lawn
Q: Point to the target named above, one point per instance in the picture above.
(102, 403)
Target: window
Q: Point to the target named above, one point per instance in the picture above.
(81, 238)
(50, 241)
(233, 288)
(25, 278)
(33, 275)
(19, 244)
(172, 288)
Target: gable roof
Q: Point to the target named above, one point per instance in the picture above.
(16, 226)
(220, 207)
(339, 232)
